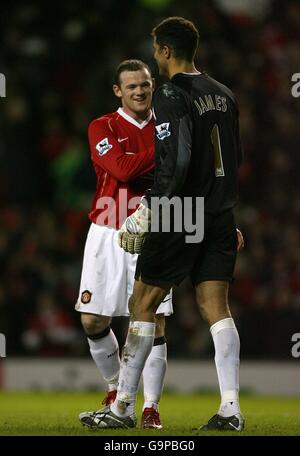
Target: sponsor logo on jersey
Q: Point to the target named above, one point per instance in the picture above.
(122, 139)
(103, 146)
(163, 130)
(86, 296)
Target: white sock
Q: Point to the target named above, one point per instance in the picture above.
(154, 374)
(134, 355)
(227, 350)
(105, 353)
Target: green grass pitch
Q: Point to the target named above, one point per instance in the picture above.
(56, 413)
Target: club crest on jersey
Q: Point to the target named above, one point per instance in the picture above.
(86, 296)
(103, 146)
(163, 130)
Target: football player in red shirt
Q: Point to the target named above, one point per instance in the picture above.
(189, 162)
(122, 152)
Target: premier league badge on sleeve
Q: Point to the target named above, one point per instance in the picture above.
(103, 146)
(163, 130)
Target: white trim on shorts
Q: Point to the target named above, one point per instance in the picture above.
(108, 275)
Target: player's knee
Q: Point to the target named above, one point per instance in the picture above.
(213, 311)
(212, 299)
(208, 311)
(204, 309)
(139, 304)
(93, 324)
(141, 309)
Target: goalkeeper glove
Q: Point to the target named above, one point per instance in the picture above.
(131, 235)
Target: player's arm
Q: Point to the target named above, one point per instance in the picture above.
(173, 139)
(236, 132)
(173, 130)
(240, 152)
(107, 153)
(240, 240)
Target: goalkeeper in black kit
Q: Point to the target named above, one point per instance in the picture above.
(198, 153)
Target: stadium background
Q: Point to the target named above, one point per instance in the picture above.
(58, 59)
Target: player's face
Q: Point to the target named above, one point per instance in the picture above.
(135, 90)
(160, 57)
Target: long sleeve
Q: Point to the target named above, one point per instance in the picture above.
(173, 140)
(107, 153)
(240, 152)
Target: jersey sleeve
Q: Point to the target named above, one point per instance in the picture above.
(237, 136)
(173, 141)
(240, 151)
(107, 153)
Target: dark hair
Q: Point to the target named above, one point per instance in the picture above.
(129, 65)
(180, 35)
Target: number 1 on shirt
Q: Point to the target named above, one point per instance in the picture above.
(215, 140)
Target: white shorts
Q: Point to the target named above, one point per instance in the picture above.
(108, 275)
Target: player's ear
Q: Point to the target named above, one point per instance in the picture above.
(117, 91)
(153, 84)
(167, 52)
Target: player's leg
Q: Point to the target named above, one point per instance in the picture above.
(212, 275)
(102, 295)
(142, 305)
(155, 367)
(154, 375)
(212, 298)
(160, 265)
(104, 349)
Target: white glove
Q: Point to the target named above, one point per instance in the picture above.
(131, 235)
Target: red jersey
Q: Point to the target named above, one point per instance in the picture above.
(122, 151)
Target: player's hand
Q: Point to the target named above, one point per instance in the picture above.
(131, 243)
(132, 232)
(240, 240)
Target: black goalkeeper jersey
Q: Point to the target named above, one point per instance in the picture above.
(198, 148)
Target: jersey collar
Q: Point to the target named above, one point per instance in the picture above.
(133, 121)
(192, 74)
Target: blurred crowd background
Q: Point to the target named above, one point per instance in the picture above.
(59, 59)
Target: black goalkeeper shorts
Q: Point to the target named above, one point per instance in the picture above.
(166, 258)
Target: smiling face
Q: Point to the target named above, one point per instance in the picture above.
(135, 88)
